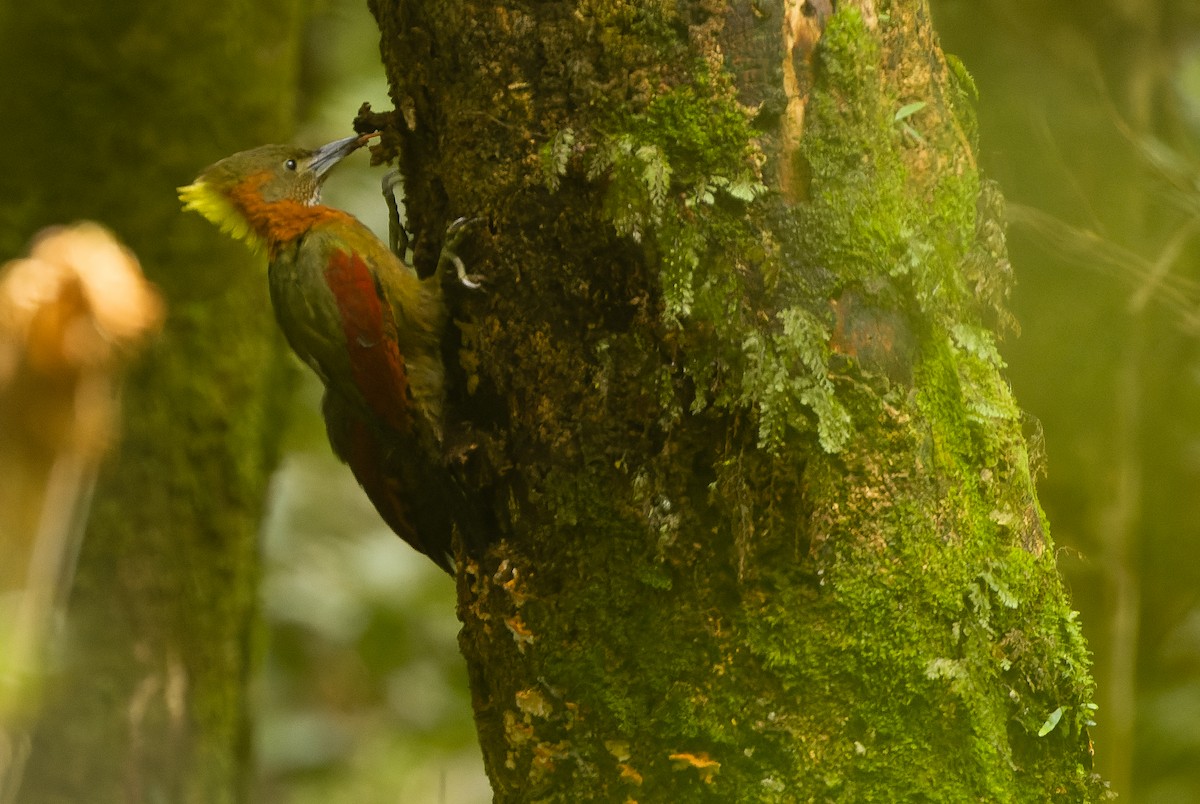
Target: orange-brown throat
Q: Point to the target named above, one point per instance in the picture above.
(277, 222)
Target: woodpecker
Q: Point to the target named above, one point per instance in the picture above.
(359, 317)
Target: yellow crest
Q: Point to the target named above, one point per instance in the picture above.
(217, 208)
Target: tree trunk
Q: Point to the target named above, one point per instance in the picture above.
(766, 520)
(110, 107)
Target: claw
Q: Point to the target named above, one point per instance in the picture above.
(397, 235)
(454, 235)
(467, 280)
(457, 229)
(389, 182)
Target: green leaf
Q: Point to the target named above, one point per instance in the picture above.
(656, 173)
(912, 132)
(909, 109)
(978, 342)
(1006, 598)
(944, 668)
(554, 156)
(1051, 722)
(746, 190)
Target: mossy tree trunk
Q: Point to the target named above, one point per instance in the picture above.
(109, 107)
(767, 526)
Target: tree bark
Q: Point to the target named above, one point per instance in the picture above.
(110, 107)
(766, 519)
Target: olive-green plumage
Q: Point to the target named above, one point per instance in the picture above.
(359, 317)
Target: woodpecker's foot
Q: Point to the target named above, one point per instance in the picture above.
(397, 235)
(454, 235)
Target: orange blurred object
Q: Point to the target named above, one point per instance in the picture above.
(70, 315)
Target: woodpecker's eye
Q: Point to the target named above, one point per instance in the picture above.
(290, 164)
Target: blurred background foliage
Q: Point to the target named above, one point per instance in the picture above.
(1089, 114)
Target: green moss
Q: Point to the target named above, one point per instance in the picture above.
(876, 211)
(963, 95)
(700, 130)
(682, 176)
(949, 626)
(939, 620)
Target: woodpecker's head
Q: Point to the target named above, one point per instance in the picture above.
(265, 193)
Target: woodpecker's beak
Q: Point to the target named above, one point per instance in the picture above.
(325, 157)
